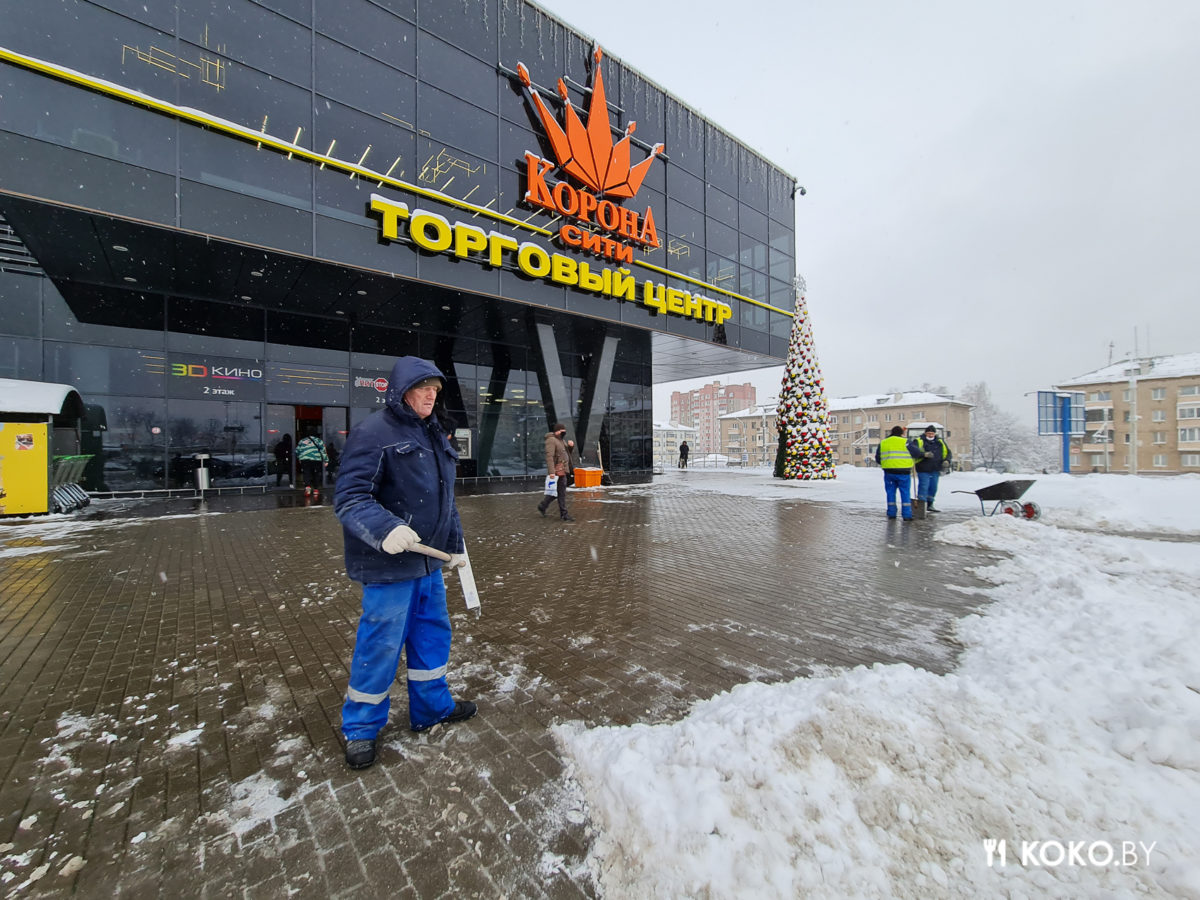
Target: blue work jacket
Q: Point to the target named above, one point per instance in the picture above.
(397, 469)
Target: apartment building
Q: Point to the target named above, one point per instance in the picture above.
(857, 424)
(748, 437)
(1142, 416)
(703, 407)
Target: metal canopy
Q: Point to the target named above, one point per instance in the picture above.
(39, 398)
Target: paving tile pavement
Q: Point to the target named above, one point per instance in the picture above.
(171, 676)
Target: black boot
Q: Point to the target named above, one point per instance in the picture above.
(360, 754)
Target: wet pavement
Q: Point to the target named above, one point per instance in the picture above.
(171, 676)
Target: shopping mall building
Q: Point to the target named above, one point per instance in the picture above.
(221, 221)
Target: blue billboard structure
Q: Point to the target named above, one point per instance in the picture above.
(1061, 412)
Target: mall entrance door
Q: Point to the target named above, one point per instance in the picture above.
(291, 423)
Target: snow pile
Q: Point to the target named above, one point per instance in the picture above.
(1074, 716)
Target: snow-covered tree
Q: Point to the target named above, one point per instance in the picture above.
(802, 415)
(999, 440)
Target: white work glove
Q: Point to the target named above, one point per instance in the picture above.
(456, 560)
(399, 539)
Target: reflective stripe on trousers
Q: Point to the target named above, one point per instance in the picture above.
(409, 616)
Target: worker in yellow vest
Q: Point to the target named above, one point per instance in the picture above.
(896, 460)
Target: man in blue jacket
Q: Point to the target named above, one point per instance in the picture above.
(931, 452)
(395, 489)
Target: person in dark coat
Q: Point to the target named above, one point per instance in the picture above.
(395, 489)
(283, 459)
(684, 450)
(931, 453)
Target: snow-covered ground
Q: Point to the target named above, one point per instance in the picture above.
(1061, 758)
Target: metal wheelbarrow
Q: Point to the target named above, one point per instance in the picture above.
(1006, 499)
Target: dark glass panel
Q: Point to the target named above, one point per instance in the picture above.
(362, 83)
(97, 43)
(295, 337)
(361, 246)
(256, 101)
(684, 222)
(783, 265)
(754, 284)
(21, 296)
(241, 324)
(753, 251)
(383, 145)
(720, 238)
(303, 381)
(449, 120)
(721, 161)
(21, 358)
(455, 72)
(300, 10)
(685, 187)
(44, 170)
(754, 180)
(455, 173)
(156, 15)
(721, 206)
(781, 202)
(378, 347)
(216, 160)
(134, 443)
(405, 8)
(230, 432)
(227, 214)
(469, 24)
(685, 138)
(250, 34)
(516, 140)
(51, 110)
(530, 36)
(367, 28)
(102, 316)
(783, 295)
(721, 272)
(101, 370)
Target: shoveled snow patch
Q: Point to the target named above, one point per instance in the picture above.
(1074, 716)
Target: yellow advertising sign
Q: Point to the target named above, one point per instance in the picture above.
(24, 468)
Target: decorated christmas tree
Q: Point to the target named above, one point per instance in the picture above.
(802, 416)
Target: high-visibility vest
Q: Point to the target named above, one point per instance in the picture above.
(893, 453)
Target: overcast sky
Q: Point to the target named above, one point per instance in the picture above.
(996, 192)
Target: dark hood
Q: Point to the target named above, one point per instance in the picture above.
(407, 371)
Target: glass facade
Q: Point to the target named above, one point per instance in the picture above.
(196, 181)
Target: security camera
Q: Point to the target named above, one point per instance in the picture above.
(803, 192)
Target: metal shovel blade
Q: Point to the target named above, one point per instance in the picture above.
(466, 577)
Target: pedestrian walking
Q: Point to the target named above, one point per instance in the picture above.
(313, 459)
(931, 454)
(684, 450)
(283, 460)
(395, 490)
(896, 460)
(558, 460)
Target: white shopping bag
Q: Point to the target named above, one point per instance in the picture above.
(551, 486)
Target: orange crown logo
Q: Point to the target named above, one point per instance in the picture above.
(588, 153)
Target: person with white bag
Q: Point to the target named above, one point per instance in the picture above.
(558, 460)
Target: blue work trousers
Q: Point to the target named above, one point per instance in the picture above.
(409, 616)
(927, 483)
(898, 480)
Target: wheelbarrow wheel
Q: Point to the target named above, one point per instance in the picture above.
(1012, 508)
(1030, 510)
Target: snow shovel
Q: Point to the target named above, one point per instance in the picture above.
(465, 576)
